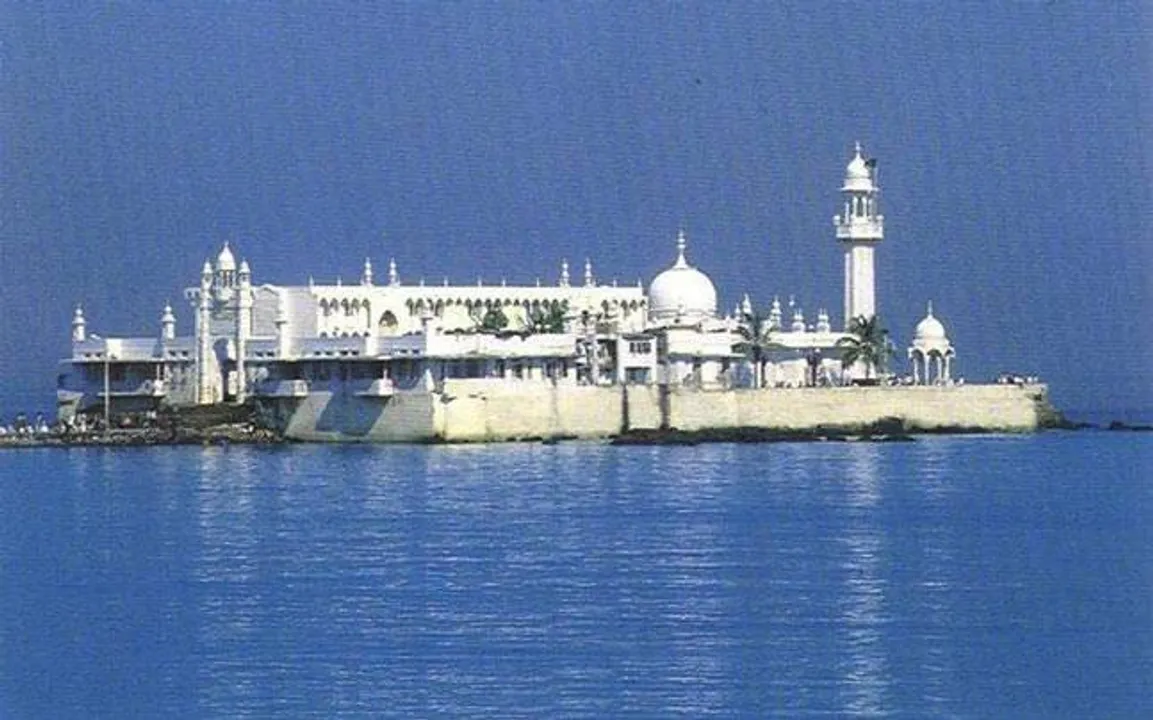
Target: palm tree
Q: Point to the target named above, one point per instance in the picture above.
(867, 343)
(756, 338)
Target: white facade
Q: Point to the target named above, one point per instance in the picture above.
(372, 341)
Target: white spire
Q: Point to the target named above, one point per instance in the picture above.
(79, 332)
(167, 323)
(393, 275)
(746, 306)
(366, 274)
(564, 276)
(588, 273)
(681, 243)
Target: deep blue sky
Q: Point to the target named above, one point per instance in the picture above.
(1014, 143)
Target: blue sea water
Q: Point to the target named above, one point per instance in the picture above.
(951, 577)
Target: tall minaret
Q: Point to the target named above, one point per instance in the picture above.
(859, 229)
(243, 330)
(204, 395)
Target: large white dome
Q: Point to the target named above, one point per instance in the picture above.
(682, 292)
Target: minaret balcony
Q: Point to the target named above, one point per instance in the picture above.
(859, 228)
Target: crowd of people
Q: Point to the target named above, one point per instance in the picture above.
(81, 424)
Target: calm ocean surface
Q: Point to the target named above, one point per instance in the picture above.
(951, 577)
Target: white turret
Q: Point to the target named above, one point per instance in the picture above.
(393, 275)
(931, 353)
(564, 276)
(775, 315)
(823, 324)
(225, 270)
(798, 321)
(79, 326)
(588, 272)
(366, 274)
(224, 275)
(167, 323)
(859, 228)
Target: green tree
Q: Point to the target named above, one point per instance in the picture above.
(867, 343)
(549, 319)
(756, 338)
(490, 320)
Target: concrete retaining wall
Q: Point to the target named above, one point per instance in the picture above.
(1009, 408)
(484, 411)
(478, 410)
(339, 417)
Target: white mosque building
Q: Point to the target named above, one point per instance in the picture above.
(378, 342)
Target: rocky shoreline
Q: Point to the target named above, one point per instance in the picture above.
(885, 430)
(212, 425)
(242, 425)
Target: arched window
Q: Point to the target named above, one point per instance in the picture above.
(387, 325)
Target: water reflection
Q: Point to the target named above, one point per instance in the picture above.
(935, 585)
(832, 579)
(865, 668)
(230, 597)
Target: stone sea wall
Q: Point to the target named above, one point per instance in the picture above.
(992, 408)
(485, 411)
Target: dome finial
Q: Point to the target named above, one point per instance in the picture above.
(858, 148)
(681, 243)
(929, 309)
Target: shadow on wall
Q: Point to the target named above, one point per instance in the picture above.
(350, 415)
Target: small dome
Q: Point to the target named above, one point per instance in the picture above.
(682, 291)
(857, 174)
(930, 328)
(225, 260)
